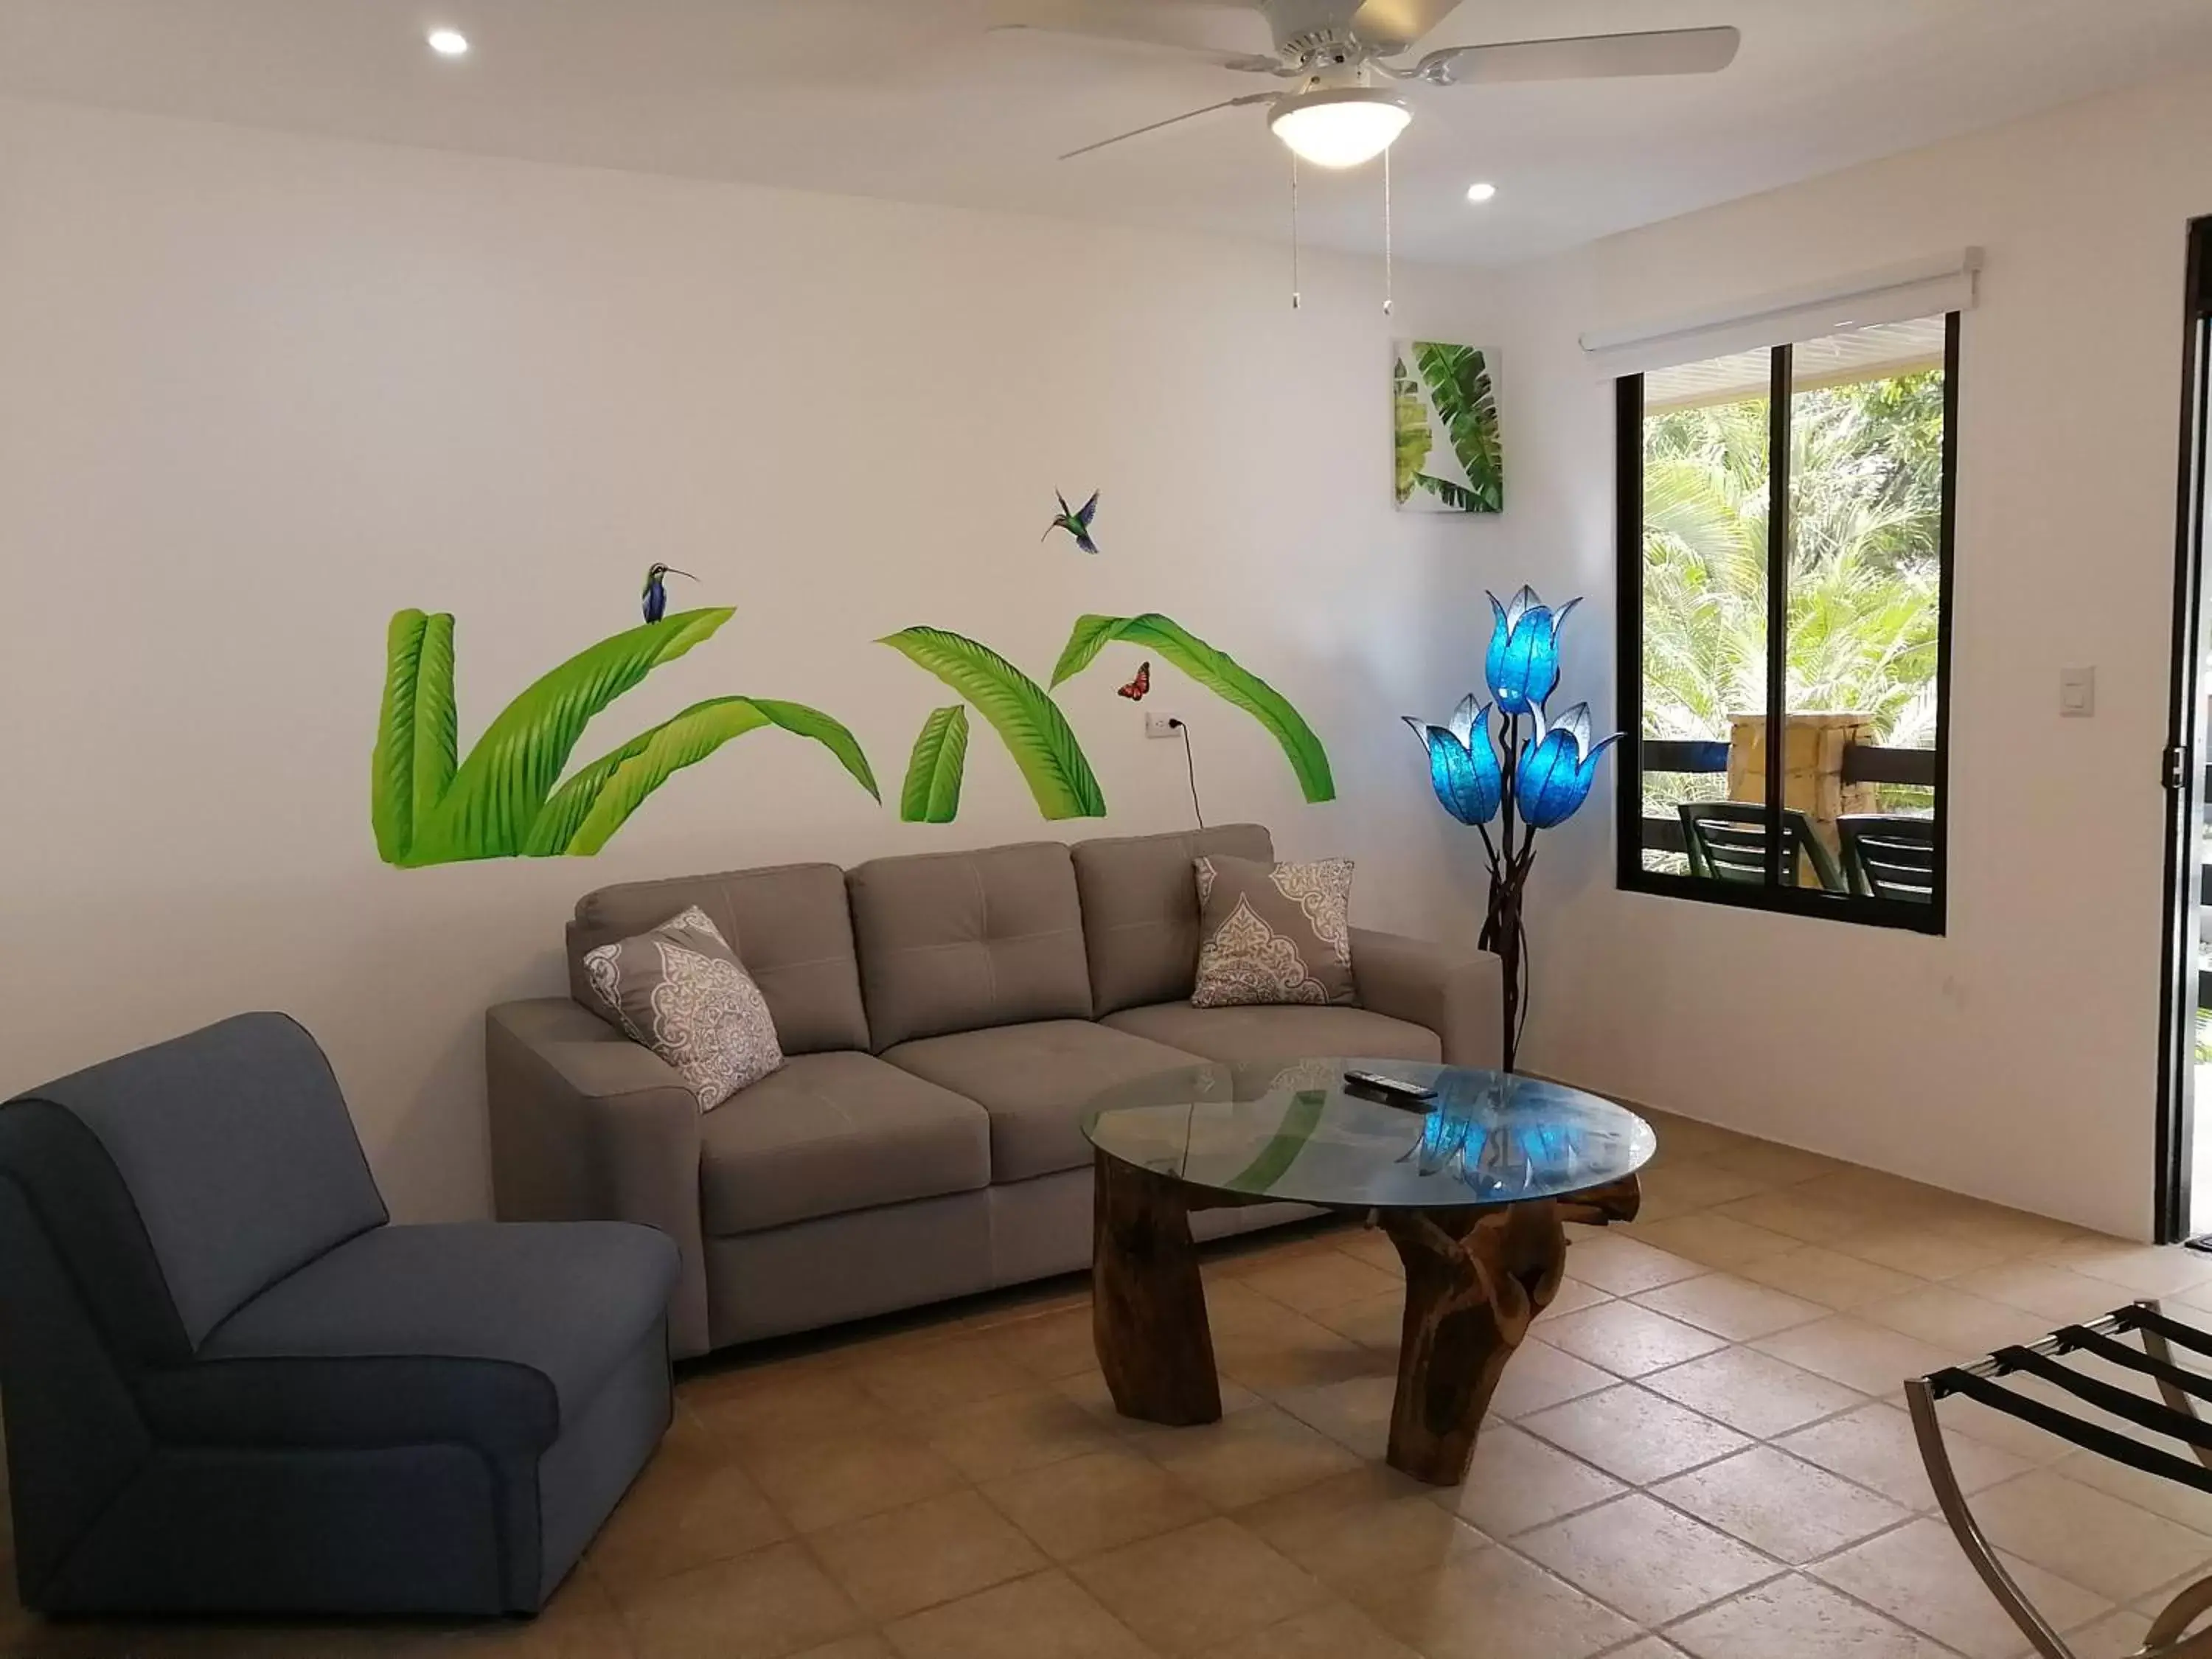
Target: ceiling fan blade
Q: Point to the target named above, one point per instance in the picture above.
(1172, 120)
(1391, 25)
(1229, 36)
(1587, 57)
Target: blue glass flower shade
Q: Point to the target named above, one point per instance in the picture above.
(1523, 665)
(1556, 770)
(1463, 767)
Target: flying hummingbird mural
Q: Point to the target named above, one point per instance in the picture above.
(656, 590)
(1076, 524)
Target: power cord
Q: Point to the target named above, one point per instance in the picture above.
(1190, 765)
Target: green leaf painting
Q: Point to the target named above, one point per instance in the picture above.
(1450, 388)
(501, 802)
(1020, 711)
(1220, 673)
(932, 794)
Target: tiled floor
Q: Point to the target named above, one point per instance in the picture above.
(1700, 1453)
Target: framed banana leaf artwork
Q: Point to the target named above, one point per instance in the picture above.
(1444, 422)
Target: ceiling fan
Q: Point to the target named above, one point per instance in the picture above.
(1344, 108)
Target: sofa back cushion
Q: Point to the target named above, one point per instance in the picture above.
(1139, 896)
(182, 1181)
(958, 941)
(788, 924)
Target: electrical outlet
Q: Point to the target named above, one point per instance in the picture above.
(1157, 724)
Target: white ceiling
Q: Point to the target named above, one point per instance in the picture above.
(911, 100)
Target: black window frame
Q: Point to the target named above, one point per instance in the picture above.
(1772, 896)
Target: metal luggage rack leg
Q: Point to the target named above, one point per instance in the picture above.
(2170, 1636)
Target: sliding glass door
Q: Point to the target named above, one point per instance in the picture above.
(2184, 1197)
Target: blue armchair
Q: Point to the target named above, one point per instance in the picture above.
(231, 1385)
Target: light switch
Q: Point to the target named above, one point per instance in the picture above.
(2077, 692)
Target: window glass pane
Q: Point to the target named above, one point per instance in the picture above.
(1705, 443)
(1866, 512)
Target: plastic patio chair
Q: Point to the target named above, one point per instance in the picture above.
(1726, 841)
(1890, 857)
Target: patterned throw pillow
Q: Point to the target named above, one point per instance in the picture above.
(680, 990)
(1273, 932)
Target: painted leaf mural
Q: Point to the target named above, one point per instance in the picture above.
(1458, 416)
(1037, 734)
(501, 802)
(933, 775)
(1220, 673)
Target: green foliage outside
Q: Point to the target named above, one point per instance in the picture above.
(1866, 509)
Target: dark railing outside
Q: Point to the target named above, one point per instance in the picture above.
(1863, 763)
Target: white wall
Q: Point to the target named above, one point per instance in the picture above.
(256, 392)
(2015, 1058)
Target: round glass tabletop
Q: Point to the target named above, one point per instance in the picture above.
(1292, 1130)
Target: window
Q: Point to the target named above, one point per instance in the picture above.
(1785, 563)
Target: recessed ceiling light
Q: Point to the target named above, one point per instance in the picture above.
(449, 43)
(1481, 192)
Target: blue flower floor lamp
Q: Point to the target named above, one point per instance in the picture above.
(1523, 784)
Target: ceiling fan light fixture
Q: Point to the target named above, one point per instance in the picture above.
(1340, 127)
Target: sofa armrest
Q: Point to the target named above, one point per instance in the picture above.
(587, 1125)
(1454, 990)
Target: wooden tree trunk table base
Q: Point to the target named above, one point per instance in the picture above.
(1475, 1280)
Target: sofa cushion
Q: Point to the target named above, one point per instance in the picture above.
(680, 991)
(1140, 910)
(1280, 1033)
(1035, 1081)
(788, 924)
(834, 1132)
(495, 1333)
(957, 941)
(1274, 932)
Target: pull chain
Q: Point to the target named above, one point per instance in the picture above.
(1389, 266)
(1294, 231)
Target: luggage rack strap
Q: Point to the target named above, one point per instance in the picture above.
(2083, 1337)
(2089, 1437)
(2155, 1415)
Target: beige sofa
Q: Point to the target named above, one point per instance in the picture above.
(946, 1018)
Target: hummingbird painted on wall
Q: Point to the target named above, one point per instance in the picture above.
(656, 590)
(1076, 524)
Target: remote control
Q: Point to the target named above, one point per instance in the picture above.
(1395, 1087)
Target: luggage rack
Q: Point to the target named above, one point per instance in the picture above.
(2170, 1636)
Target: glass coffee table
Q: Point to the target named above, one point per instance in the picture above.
(1473, 1187)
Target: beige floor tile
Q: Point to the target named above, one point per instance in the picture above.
(1324, 1278)
(771, 1603)
(1629, 1340)
(1090, 1392)
(1644, 1559)
(1972, 1420)
(2015, 1232)
(1339, 1631)
(2057, 1295)
(1374, 1322)
(1753, 1393)
(937, 1550)
(869, 1645)
(1096, 1502)
(1540, 1376)
(2170, 1498)
(1845, 1349)
(1829, 1278)
(1730, 1307)
(1798, 1214)
(1048, 1616)
(1246, 1456)
(1493, 1604)
(1010, 1432)
(1186, 1591)
(1801, 1619)
(1960, 1324)
(1295, 1353)
(951, 1373)
(1619, 1265)
(1772, 1161)
(2171, 1270)
(1049, 1346)
(1918, 1576)
(780, 1407)
(1771, 1501)
(692, 1505)
(1373, 1246)
(1718, 1241)
(1650, 1647)
(1695, 1186)
(1634, 1434)
(1356, 1414)
(2090, 1537)
(1572, 1296)
(1368, 1524)
(1516, 1481)
(2119, 1632)
(816, 1483)
(1874, 1446)
(1921, 1251)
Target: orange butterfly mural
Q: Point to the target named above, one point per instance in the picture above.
(1135, 690)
